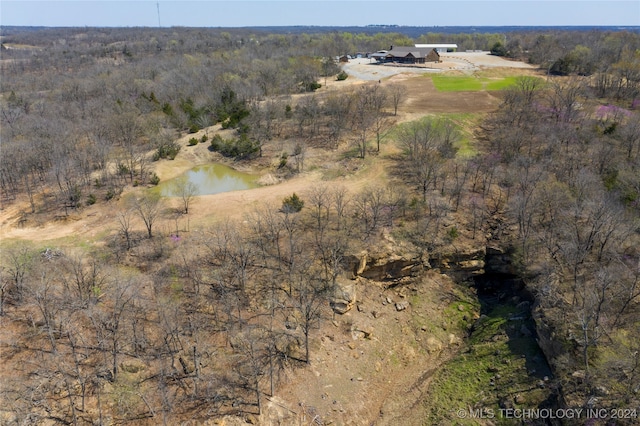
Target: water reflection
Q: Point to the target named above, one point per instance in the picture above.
(209, 179)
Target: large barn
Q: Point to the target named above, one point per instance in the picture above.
(439, 47)
(407, 55)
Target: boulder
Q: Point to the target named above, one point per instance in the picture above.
(552, 345)
(454, 340)
(344, 297)
(361, 331)
(433, 345)
(401, 306)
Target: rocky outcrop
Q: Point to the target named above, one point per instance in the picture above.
(392, 263)
(387, 264)
(499, 261)
(551, 345)
(461, 264)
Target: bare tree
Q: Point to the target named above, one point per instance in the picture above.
(124, 218)
(126, 131)
(428, 144)
(368, 115)
(398, 94)
(336, 109)
(309, 299)
(19, 262)
(149, 208)
(307, 112)
(109, 324)
(83, 279)
(254, 356)
(186, 190)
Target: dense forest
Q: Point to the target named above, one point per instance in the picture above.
(141, 328)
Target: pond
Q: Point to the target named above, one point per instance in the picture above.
(209, 179)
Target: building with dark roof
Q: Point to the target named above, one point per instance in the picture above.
(407, 55)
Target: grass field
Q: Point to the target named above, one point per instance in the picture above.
(489, 371)
(469, 83)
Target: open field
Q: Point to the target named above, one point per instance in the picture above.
(471, 83)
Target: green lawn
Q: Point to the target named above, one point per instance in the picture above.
(499, 84)
(456, 83)
(470, 83)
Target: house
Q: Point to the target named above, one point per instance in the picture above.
(407, 55)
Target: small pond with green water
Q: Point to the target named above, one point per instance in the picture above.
(210, 179)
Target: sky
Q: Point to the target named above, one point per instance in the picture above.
(245, 13)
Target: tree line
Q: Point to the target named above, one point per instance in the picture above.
(566, 164)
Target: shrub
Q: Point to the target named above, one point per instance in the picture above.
(283, 160)
(292, 204)
(230, 110)
(168, 150)
(123, 169)
(311, 86)
(239, 148)
(193, 141)
(562, 66)
(154, 179)
(452, 233)
(167, 109)
(216, 142)
(342, 76)
(204, 138)
(75, 195)
(498, 49)
(91, 199)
